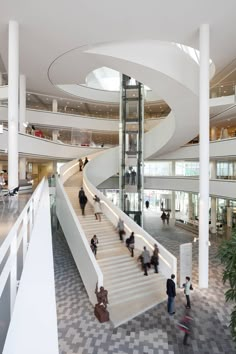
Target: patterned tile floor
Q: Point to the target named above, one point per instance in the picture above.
(154, 332)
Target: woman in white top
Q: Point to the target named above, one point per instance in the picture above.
(97, 208)
(187, 292)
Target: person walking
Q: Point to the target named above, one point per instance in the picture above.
(97, 208)
(146, 260)
(163, 217)
(187, 286)
(80, 165)
(130, 243)
(168, 218)
(186, 326)
(82, 200)
(121, 228)
(94, 244)
(155, 258)
(147, 204)
(171, 293)
(86, 161)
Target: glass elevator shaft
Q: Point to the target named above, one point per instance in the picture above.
(131, 131)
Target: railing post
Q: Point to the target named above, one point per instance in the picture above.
(13, 273)
(25, 234)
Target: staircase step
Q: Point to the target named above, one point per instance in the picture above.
(130, 293)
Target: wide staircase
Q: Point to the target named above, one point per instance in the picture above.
(129, 292)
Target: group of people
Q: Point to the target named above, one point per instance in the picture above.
(147, 260)
(83, 164)
(165, 217)
(130, 177)
(83, 201)
(184, 325)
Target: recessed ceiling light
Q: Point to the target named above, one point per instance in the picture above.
(78, 106)
(222, 86)
(28, 94)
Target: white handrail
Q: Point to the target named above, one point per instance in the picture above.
(84, 258)
(168, 263)
(33, 326)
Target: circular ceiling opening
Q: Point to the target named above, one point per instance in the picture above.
(105, 79)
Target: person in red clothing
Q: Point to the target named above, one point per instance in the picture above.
(185, 326)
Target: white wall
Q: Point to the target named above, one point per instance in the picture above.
(61, 120)
(218, 149)
(86, 263)
(218, 187)
(32, 145)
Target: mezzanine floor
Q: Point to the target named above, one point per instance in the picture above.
(153, 332)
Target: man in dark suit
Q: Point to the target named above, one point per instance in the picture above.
(170, 291)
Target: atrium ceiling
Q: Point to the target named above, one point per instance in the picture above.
(49, 29)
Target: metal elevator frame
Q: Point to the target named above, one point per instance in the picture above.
(131, 133)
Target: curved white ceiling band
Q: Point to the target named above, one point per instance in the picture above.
(162, 66)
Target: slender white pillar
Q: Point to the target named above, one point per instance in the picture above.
(54, 105)
(213, 215)
(54, 167)
(204, 157)
(190, 206)
(229, 216)
(173, 192)
(22, 103)
(213, 133)
(13, 83)
(22, 168)
(55, 134)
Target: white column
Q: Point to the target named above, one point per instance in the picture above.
(213, 215)
(54, 167)
(54, 105)
(13, 83)
(213, 133)
(204, 157)
(213, 169)
(190, 206)
(22, 168)
(22, 103)
(173, 192)
(55, 134)
(229, 214)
